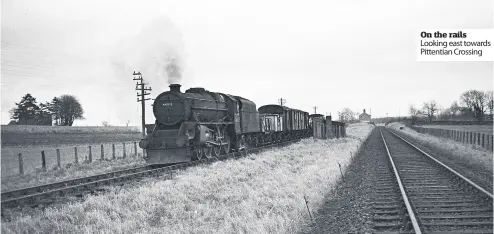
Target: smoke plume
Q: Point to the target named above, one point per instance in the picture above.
(157, 51)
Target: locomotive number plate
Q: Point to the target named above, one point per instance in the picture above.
(167, 104)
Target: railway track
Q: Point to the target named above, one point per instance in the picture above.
(416, 193)
(48, 193)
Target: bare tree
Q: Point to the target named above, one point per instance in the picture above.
(477, 101)
(451, 112)
(430, 108)
(455, 109)
(347, 115)
(414, 113)
(490, 101)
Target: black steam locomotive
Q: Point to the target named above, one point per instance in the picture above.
(199, 123)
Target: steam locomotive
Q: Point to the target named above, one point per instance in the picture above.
(199, 123)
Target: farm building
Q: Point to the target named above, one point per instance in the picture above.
(364, 117)
(36, 120)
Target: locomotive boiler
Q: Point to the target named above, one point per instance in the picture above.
(197, 124)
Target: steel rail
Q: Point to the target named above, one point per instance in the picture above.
(445, 166)
(411, 214)
(65, 183)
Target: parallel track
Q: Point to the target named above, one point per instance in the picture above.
(48, 193)
(422, 195)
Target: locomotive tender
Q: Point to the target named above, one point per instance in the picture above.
(200, 123)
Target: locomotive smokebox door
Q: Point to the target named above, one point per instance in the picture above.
(169, 107)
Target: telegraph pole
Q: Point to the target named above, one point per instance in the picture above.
(140, 87)
(281, 101)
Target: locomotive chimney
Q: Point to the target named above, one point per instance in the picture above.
(175, 88)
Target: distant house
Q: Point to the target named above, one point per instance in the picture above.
(364, 117)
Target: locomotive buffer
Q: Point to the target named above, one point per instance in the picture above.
(140, 87)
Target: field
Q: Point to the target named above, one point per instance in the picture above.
(31, 155)
(7, 129)
(30, 140)
(29, 135)
(261, 193)
(467, 128)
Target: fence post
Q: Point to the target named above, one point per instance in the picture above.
(135, 148)
(43, 160)
(113, 151)
(491, 142)
(75, 155)
(487, 141)
(90, 154)
(478, 139)
(58, 158)
(124, 153)
(483, 140)
(102, 153)
(21, 164)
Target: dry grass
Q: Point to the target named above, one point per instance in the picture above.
(70, 171)
(262, 193)
(474, 154)
(6, 129)
(359, 130)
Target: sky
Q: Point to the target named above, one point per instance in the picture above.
(358, 54)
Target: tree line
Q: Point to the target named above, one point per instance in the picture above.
(473, 105)
(63, 110)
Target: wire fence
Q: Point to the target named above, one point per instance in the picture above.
(27, 160)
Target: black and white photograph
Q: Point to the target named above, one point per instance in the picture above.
(222, 117)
